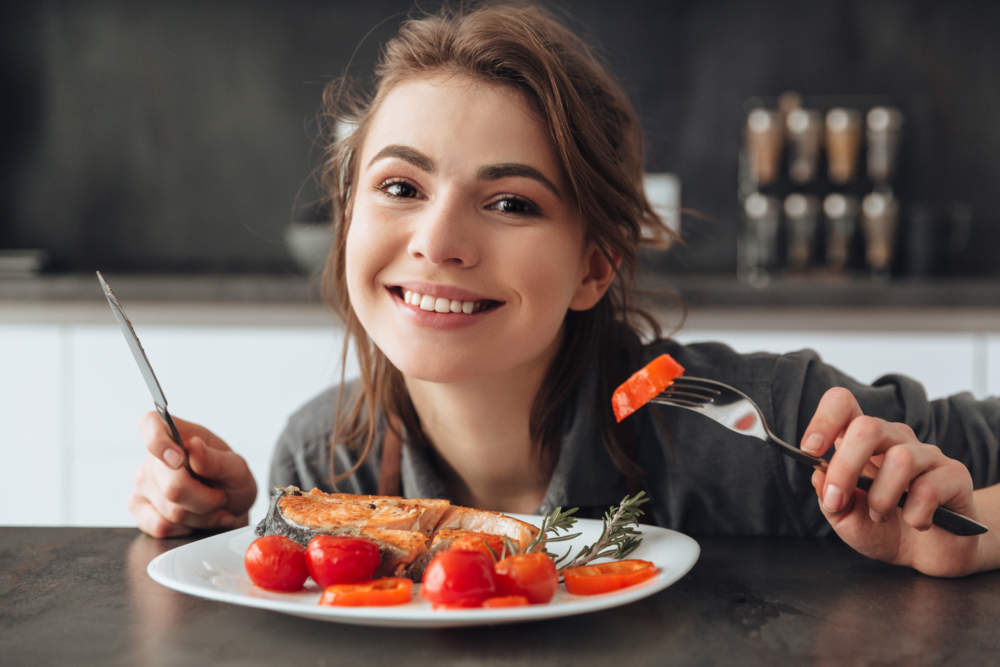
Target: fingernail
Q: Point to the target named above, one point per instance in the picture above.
(173, 458)
(813, 443)
(833, 499)
(875, 516)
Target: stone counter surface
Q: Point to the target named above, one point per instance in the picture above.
(81, 596)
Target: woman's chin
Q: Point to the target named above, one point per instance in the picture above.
(435, 371)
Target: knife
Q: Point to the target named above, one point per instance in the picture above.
(147, 373)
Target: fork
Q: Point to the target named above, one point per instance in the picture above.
(737, 412)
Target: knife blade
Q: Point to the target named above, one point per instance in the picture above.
(139, 354)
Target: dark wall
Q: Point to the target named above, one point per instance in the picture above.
(179, 136)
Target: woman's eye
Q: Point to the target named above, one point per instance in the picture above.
(515, 206)
(398, 189)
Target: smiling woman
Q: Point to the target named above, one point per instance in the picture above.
(489, 207)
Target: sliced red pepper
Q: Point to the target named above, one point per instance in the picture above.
(605, 577)
(506, 601)
(376, 593)
(644, 384)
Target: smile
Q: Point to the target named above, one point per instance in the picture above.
(441, 304)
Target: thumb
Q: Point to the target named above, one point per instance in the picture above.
(226, 468)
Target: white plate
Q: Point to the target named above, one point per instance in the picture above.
(212, 568)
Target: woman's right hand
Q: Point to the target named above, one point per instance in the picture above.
(167, 501)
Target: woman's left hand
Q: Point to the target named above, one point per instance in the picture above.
(889, 452)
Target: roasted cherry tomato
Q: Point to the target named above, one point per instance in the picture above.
(506, 601)
(644, 384)
(276, 563)
(604, 577)
(532, 575)
(335, 559)
(459, 578)
(378, 593)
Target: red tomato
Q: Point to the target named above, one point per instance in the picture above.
(276, 563)
(378, 593)
(604, 577)
(644, 384)
(506, 601)
(335, 559)
(532, 575)
(459, 578)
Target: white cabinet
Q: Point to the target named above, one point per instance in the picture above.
(73, 398)
(992, 365)
(71, 395)
(240, 383)
(944, 363)
(32, 398)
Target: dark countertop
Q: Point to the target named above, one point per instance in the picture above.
(81, 596)
(708, 291)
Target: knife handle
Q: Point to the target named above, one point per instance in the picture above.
(176, 437)
(952, 521)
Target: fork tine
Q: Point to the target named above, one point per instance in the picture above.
(686, 395)
(702, 392)
(693, 383)
(663, 399)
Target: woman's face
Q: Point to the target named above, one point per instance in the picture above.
(464, 251)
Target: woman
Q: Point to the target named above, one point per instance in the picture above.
(491, 209)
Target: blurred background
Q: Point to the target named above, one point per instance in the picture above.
(181, 136)
(836, 160)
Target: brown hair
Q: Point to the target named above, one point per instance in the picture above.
(598, 142)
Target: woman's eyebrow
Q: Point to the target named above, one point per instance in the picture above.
(490, 172)
(496, 171)
(405, 153)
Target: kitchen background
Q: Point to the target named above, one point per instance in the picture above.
(171, 145)
(180, 137)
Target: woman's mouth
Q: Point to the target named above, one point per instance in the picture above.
(441, 304)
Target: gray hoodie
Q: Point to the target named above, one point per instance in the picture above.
(702, 479)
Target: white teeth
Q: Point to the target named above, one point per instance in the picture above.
(438, 304)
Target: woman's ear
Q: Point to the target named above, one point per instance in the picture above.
(599, 271)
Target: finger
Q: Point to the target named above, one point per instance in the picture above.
(152, 522)
(901, 464)
(166, 487)
(226, 467)
(158, 437)
(835, 411)
(159, 441)
(948, 484)
(864, 437)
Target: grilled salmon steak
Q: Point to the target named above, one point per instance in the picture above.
(408, 531)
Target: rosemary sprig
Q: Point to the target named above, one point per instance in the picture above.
(555, 521)
(619, 534)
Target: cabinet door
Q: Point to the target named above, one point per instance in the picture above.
(240, 383)
(944, 363)
(32, 402)
(992, 363)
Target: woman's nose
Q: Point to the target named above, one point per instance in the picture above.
(444, 234)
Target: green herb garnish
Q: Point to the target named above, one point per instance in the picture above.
(619, 535)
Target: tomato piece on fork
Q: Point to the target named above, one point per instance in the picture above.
(644, 385)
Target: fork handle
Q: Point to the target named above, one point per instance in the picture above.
(953, 522)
